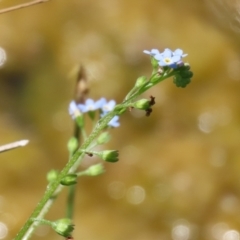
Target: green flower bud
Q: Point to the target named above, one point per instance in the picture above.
(63, 227)
(106, 155)
(155, 64)
(109, 155)
(103, 138)
(182, 76)
(95, 170)
(70, 179)
(187, 66)
(80, 121)
(72, 145)
(142, 104)
(140, 81)
(181, 82)
(186, 74)
(52, 175)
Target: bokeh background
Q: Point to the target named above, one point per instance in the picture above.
(179, 171)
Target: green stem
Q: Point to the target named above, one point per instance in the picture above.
(70, 201)
(43, 221)
(72, 188)
(147, 85)
(55, 187)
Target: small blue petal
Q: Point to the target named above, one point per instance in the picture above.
(73, 109)
(100, 103)
(159, 57)
(167, 53)
(108, 106)
(179, 52)
(90, 105)
(153, 52)
(176, 58)
(114, 122)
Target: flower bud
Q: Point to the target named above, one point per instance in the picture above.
(72, 145)
(154, 63)
(103, 138)
(63, 227)
(52, 175)
(142, 104)
(140, 81)
(70, 179)
(80, 121)
(187, 66)
(106, 155)
(180, 81)
(185, 73)
(95, 170)
(109, 155)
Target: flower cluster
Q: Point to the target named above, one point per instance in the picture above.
(183, 76)
(172, 59)
(90, 105)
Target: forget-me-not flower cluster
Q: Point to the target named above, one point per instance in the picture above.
(90, 105)
(168, 58)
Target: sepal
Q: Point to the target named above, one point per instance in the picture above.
(103, 138)
(95, 170)
(140, 81)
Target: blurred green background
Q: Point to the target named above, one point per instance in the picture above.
(179, 171)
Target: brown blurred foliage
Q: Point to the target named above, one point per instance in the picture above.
(178, 174)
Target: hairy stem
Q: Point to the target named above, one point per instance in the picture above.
(55, 187)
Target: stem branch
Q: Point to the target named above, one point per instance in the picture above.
(23, 5)
(55, 187)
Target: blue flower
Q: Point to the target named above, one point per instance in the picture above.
(167, 58)
(107, 106)
(73, 110)
(153, 52)
(90, 105)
